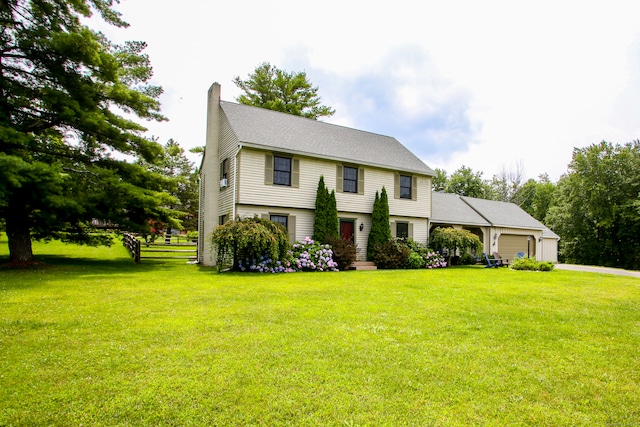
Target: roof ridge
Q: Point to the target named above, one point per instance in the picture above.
(296, 117)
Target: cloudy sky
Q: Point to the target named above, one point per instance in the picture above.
(492, 85)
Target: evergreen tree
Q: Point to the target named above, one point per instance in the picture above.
(333, 223)
(325, 223)
(274, 89)
(320, 219)
(384, 215)
(380, 227)
(64, 93)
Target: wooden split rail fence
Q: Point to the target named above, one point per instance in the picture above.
(174, 247)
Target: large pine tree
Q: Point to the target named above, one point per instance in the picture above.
(288, 92)
(67, 96)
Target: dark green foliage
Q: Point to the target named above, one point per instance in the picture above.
(325, 222)
(320, 218)
(182, 181)
(465, 182)
(439, 181)
(380, 227)
(252, 239)
(344, 252)
(63, 88)
(596, 211)
(333, 222)
(274, 89)
(392, 254)
(466, 259)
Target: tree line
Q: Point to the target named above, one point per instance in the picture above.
(594, 207)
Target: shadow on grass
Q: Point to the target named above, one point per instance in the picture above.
(52, 261)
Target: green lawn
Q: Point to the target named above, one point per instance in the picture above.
(93, 339)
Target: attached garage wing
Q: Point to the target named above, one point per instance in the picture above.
(510, 244)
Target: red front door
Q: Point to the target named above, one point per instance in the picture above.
(347, 230)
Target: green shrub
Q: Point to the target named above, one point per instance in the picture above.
(466, 259)
(531, 264)
(414, 260)
(546, 266)
(344, 252)
(391, 254)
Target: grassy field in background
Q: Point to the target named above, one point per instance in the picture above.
(89, 338)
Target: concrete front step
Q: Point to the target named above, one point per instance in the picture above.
(364, 265)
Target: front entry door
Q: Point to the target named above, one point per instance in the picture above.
(347, 229)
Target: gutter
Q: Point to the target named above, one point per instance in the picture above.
(336, 159)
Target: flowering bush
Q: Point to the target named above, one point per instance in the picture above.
(434, 260)
(265, 265)
(305, 256)
(311, 256)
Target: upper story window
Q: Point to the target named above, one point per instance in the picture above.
(350, 180)
(282, 170)
(224, 169)
(405, 187)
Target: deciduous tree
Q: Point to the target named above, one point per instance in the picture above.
(596, 211)
(453, 240)
(466, 182)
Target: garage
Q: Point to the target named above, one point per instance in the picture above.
(510, 244)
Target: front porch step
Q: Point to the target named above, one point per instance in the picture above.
(363, 265)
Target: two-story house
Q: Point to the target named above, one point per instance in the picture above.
(267, 163)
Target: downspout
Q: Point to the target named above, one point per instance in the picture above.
(235, 183)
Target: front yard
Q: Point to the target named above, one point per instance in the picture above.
(92, 339)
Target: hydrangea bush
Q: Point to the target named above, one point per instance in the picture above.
(305, 256)
(311, 256)
(265, 265)
(434, 260)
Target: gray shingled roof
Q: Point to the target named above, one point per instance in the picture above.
(273, 130)
(503, 214)
(451, 209)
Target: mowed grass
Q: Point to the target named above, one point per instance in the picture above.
(93, 339)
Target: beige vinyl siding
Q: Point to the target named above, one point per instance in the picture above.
(299, 228)
(228, 147)
(418, 227)
(548, 250)
(253, 191)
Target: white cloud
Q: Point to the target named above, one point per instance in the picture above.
(484, 84)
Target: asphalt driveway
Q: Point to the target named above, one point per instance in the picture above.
(594, 269)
